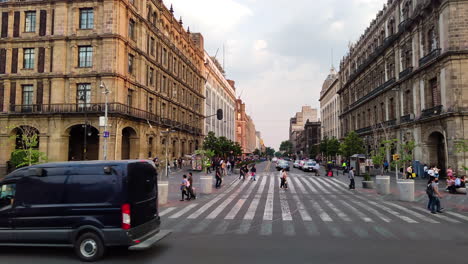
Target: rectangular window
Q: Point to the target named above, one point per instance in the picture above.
(86, 18)
(83, 94)
(164, 84)
(131, 59)
(163, 110)
(85, 56)
(152, 46)
(28, 58)
(164, 56)
(30, 21)
(27, 95)
(151, 76)
(174, 91)
(392, 108)
(131, 29)
(130, 97)
(150, 104)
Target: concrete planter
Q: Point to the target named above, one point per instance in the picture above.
(383, 184)
(206, 184)
(163, 191)
(368, 184)
(406, 190)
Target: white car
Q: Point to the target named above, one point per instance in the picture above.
(296, 164)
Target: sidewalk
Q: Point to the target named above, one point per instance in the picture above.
(457, 202)
(175, 179)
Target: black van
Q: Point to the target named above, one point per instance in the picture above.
(87, 205)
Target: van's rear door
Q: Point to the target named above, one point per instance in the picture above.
(142, 193)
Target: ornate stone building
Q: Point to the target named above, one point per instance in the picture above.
(220, 94)
(54, 55)
(330, 106)
(406, 79)
(245, 129)
(296, 125)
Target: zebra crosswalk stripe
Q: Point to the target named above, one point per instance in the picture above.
(285, 211)
(226, 202)
(438, 215)
(268, 213)
(372, 210)
(249, 215)
(322, 214)
(417, 215)
(205, 207)
(183, 211)
(360, 214)
(291, 187)
(299, 184)
(338, 212)
(391, 211)
(167, 210)
(318, 185)
(328, 184)
(300, 207)
(236, 208)
(308, 184)
(457, 215)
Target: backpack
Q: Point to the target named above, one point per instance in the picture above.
(429, 190)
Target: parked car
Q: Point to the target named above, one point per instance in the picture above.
(301, 163)
(309, 166)
(282, 164)
(296, 164)
(88, 205)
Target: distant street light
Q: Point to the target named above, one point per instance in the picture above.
(106, 133)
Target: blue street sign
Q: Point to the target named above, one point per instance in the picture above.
(106, 134)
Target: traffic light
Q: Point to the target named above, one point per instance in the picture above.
(219, 114)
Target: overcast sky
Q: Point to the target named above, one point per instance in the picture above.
(279, 52)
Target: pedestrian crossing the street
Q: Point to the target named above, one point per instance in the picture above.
(311, 206)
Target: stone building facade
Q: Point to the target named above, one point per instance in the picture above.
(406, 79)
(220, 94)
(330, 106)
(245, 129)
(296, 124)
(55, 55)
(309, 138)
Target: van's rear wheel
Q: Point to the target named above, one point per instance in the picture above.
(89, 247)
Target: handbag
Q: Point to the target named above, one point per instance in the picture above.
(413, 175)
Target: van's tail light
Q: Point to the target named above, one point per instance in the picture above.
(126, 216)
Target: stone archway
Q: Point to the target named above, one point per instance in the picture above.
(436, 152)
(83, 142)
(130, 144)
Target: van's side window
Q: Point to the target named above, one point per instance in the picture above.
(7, 194)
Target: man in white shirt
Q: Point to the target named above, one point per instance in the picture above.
(431, 172)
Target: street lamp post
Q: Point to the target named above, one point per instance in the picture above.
(106, 133)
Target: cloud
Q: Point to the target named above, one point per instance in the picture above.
(278, 52)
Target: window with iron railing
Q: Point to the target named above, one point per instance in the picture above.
(83, 94)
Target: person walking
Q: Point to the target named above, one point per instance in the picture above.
(242, 173)
(223, 168)
(191, 192)
(228, 167)
(409, 172)
(351, 179)
(385, 165)
(253, 172)
(183, 188)
(435, 194)
(429, 192)
(426, 169)
(283, 178)
(219, 180)
(317, 169)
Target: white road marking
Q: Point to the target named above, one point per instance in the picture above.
(300, 206)
(166, 211)
(373, 211)
(250, 214)
(457, 215)
(448, 219)
(299, 184)
(361, 215)
(327, 184)
(205, 207)
(183, 211)
(338, 212)
(391, 211)
(417, 215)
(268, 213)
(323, 215)
(307, 183)
(291, 188)
(285, 212)
(318, 185)
(226, 202)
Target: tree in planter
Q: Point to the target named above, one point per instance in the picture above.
(406, 154)
(27, 153)
(352, 144)
(206, 155)
(379, 155)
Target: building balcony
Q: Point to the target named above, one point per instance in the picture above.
(364, 130)
(373, 92)
(406, 118)
(405, 72)
(98, 109)
(389, 123)
(404, 25)
(433, 111)
(429, 57)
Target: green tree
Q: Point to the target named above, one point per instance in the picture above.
(27, 153)
(211, 142)
(352, 144)
(286, 147)
(270, 151)
(313, 151)
(257, 152)
(380, 154)
(278, 154)
(333, 147)
(406, 154)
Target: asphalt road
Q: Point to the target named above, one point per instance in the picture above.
(317, 220)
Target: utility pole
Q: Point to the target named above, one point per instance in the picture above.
(106, 133)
